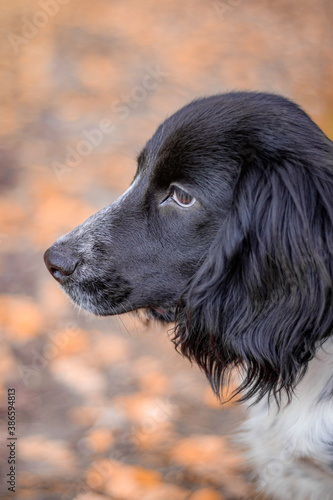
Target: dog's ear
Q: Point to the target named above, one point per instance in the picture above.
(262, 300)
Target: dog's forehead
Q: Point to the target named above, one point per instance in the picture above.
(186, 148)
(177, 148)
(173, 160)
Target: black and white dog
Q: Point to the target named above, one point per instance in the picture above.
(227, 230)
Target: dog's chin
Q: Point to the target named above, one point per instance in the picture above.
(98, 306)
(104, 308)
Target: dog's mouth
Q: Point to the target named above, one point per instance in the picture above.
(161, 314)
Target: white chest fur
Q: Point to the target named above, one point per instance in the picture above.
(292, 449)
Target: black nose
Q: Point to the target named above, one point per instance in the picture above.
(60, 263)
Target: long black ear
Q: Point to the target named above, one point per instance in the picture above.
(262, 300)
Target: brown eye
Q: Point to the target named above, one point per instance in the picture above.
(182, 198)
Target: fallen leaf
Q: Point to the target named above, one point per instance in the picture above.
(99, 440)
(20, 317)
(206, 494)
(52, 456)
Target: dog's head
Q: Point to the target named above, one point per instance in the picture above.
(226, 230)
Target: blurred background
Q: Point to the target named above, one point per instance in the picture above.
(106, 410)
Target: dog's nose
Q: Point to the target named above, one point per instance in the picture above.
(60, 263)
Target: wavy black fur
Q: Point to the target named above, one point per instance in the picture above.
(262, 300)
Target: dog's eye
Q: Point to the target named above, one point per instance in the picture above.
(182, 198)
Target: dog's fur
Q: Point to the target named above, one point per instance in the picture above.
(245, 272)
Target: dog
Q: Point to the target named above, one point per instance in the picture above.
(227, 231)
